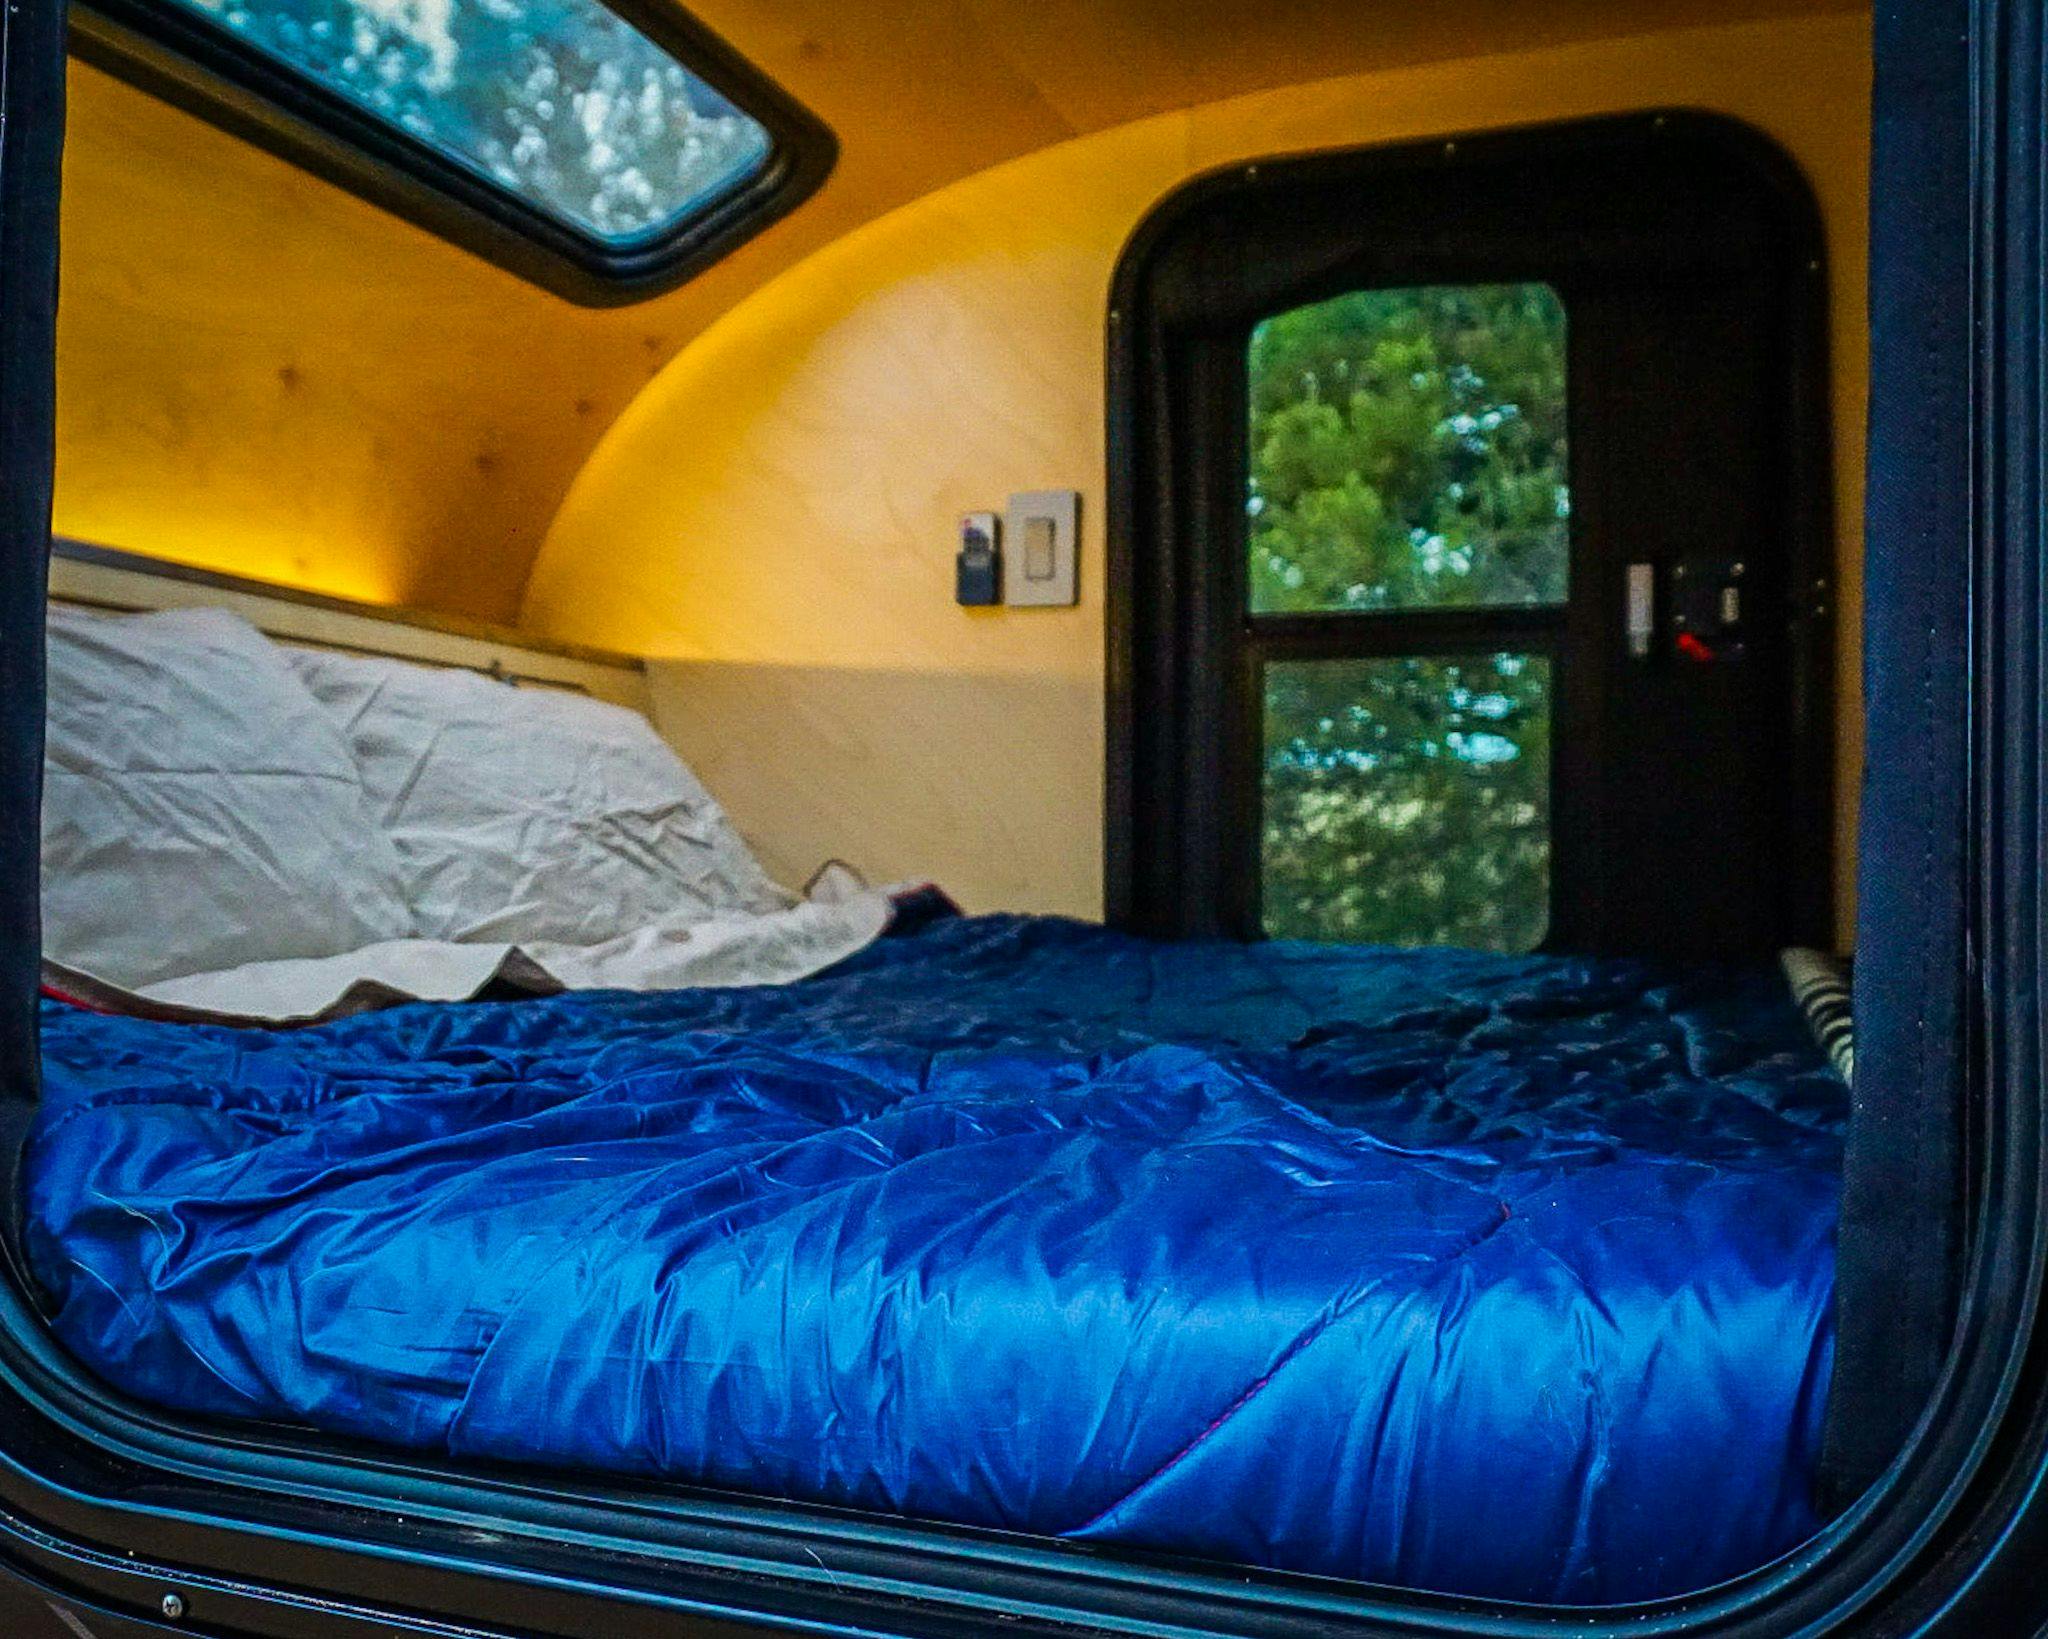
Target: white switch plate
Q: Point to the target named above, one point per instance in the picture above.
(1042, 547)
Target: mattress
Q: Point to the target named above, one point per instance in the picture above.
(1504, 1276)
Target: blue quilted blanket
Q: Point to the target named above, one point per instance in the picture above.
(1496, 1275)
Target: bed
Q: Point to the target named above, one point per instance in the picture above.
(1505, 1276)
(430, 1063)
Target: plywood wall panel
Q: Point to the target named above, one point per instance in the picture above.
(858, 771)
(260, 374)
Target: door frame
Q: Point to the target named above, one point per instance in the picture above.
(1180, 785)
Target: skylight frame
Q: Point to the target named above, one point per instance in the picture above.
(175, 53)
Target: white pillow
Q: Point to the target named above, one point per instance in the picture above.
(525, 814)
(200, 810)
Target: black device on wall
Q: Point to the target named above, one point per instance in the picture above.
(1684, 633)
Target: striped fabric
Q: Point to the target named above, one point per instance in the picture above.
(1820, 985)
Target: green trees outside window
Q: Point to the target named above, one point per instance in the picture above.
(1407, 801)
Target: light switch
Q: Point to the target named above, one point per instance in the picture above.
(1044, 530)
(1039, 543)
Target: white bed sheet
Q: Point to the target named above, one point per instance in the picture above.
(778, 947)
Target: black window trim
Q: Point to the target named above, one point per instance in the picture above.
(180, 57)
(117, 1507)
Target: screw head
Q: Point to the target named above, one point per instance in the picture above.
(173, 1607)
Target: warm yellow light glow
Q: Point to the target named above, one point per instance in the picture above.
(259, 373)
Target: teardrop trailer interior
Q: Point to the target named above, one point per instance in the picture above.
(1135, 819)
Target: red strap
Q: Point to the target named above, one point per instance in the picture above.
(56, 995)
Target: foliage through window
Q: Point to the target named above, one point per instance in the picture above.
(1407, 800)
(1408, 449)
(1408, 457)
(560, 101)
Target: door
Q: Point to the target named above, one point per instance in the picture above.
(1470, 549)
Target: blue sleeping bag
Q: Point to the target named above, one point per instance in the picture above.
(1495, 1275)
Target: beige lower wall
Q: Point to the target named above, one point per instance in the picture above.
(833, 784)
(775, 512)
